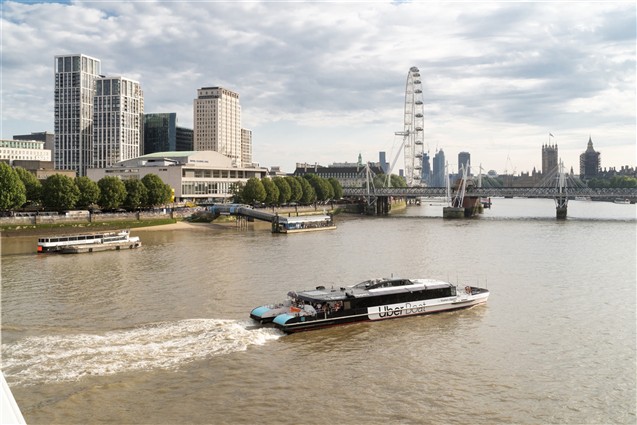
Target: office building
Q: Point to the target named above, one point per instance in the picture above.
(382, 160)
(426, 170)
(589, 162)
(23, 150)
(217, 122)
(162, 134)
(549, 159)
(184, 139)
(74, 90)
(118, 111)
(41, 136)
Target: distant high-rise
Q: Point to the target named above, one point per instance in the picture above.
(217, 122)
(589, 162)
(74, 89)
(246, 147)
(549, 158)
(426, 170)
(439, 179)
(464, 159)
(118, 117)
(382, 160)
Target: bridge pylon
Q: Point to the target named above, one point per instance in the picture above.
(561, 194)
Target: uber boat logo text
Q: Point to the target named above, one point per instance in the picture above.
(395, 310)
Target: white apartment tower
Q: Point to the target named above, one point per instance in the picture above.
(217, 122)
(118, 121)
(74, 85)
(246, 147)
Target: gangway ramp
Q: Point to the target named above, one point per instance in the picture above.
(280, 224)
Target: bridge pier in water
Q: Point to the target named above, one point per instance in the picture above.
(561, 206)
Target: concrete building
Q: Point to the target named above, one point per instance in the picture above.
(589, 162)
(74, 90)
(194, 176)
(118, 111)
(549, 159)
(23, 150)
(217, 122)
(426, 177)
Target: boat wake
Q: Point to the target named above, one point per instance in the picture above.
(169, 345)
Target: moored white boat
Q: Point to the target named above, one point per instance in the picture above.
(92, 242)
(376, 299)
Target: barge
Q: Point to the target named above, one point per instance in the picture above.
(370, 300)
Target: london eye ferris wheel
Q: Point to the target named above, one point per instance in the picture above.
(412, 133)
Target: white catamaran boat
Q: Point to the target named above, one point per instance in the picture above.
(93, 242)
(376, 299)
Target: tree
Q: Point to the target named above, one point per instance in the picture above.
(253, 191)
(309, 195)
(336, 187)
(237, 192)
(31, 184)
(285, 192)
(136, 194)
(159, 193)
(271, 191)
(322, 188)
(89, 192)
(60, 193)
(112, 192)
(295, 187)
(12, 190)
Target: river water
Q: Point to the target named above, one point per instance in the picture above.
(161, 335)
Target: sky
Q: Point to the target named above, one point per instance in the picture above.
(322, 82)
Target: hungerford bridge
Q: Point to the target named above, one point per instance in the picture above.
(556, 187)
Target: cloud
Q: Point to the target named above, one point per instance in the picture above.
(324, 81)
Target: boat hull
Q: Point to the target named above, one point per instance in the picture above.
(82, 249)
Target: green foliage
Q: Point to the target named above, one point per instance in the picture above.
(253, 191)
(60, 193)
(31, 184)
(321, 187)
(159, 193)
(309, 195)
(623, 181)
(89, 192)
(12, 190)
(285, 192)
(295, 188)
(397, 181)
(271, 191)
(237, 192)
(112, 192)
(336, 188)
(136, 194)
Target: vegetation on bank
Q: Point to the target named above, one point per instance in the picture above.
(279, 190)
(613, 182)
(82, 227)
(20, 188)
